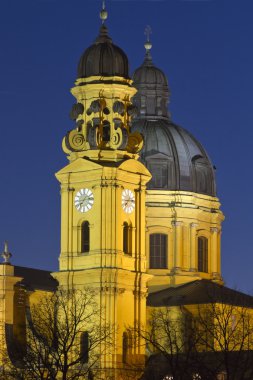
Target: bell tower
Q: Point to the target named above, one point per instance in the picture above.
(103, 198)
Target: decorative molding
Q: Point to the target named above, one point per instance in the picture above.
(138, 293)
(193, 225)
(113, 289)
(216, 276)
(175, 270)
(214, 229)
(176, 223)
(66, 189)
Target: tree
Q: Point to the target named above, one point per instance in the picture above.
(171, 343)
(224, 328)
(64, 339)
(211, 340)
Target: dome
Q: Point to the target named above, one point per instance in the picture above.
(176, 160)
(149, 74)
(103, 58)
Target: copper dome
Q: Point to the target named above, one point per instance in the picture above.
(103, 58)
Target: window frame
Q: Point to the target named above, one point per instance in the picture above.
(203, 254)
(84, 347)
(85, 240)
(158, 261)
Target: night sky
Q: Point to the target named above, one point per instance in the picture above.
(204, 47)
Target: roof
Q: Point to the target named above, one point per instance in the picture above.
(153, 93)
(199, 292)
(176, 160)
(36, 279)
(103, 58)
(173, 153)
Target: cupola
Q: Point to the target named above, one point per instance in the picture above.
(103, 58)
(176, 160)
(153, 93)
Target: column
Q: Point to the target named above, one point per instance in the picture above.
(193, 247)
(178, 244)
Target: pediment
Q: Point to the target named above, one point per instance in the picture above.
(79, 165)
(134, 166)
(158, 156)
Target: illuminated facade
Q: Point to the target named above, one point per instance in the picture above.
(139, 211)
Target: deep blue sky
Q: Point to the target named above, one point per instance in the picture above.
(204, 47)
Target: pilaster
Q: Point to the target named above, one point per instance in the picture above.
(178, 244)
(214, 253)
(193, 247)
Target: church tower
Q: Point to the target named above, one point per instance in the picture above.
(103, 197)
(183, 216)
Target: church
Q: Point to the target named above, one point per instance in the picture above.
(140, 219)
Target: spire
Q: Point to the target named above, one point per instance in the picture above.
(6, 255)
(103, 13)
(148, 45)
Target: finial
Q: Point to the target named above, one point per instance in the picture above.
(103, 13)
(6, 255)
(148, 45)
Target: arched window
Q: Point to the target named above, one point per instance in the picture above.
(125, 238)
(158, 251)
(84, 347)
(85, 238)
(203, 254)
(124, 347)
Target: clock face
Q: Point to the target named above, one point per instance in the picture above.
(128, 202)
(84, 200)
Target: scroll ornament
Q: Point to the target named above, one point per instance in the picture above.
(135, 142)
(75, 141)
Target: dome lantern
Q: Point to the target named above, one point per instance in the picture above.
(152, 98)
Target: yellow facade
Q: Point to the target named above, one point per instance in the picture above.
(219, 326)
(183, 217)
(103, 156)
(119, 277)
(14, 299)
(8, 281)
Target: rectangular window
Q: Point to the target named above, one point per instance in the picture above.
(85, 238)
(159, 176)
(158, 251)
(203, 254)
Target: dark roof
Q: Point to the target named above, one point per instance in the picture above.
(176, 160)
(103, 58)
(184, 159)
(199, 292)
(36, 278)
(148, 73)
